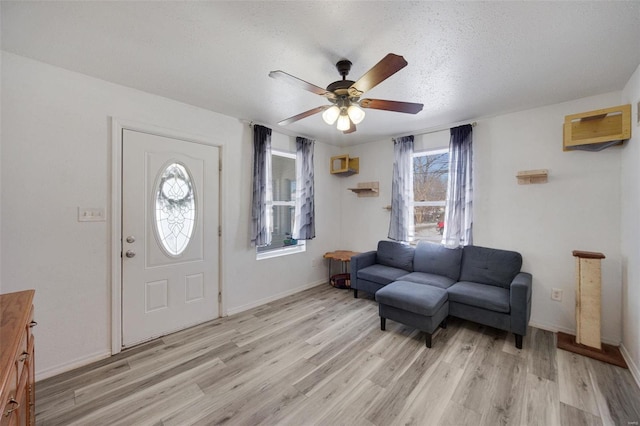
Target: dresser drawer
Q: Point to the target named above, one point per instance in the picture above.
(16, 359)
(9, 394)
(22, 355)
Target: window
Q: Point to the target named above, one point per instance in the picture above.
(430, 179)
(175, 209)
(283, 187)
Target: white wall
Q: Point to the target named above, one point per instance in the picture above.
(578, 209)
(56, 146)
(630, 230)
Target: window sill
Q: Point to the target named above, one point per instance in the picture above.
(284, 251)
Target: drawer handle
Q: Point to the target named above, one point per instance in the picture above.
(24, 356)
(33, 324)
(16, 406)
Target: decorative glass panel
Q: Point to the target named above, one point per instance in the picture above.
(175, 209)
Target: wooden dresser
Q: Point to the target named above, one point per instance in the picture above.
(17, 392)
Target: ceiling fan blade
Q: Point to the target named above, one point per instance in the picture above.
(384, 69)
(407, 107)
(281, 75)
(351, 128)
(303, 115)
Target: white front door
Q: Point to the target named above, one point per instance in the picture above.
(170, 219)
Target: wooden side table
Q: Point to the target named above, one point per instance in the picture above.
(343, 256)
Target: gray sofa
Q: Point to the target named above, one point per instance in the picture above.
(483, 285)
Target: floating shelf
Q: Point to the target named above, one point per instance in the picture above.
(527, 177)
(343, 165)
(367, 189)
(598, 129)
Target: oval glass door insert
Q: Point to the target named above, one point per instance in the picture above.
(175, 209)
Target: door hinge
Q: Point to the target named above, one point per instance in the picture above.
(219, 231)
(220, 297)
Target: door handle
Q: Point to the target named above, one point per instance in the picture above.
(130, 254)
(131, 239)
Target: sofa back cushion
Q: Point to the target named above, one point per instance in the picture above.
(396, 255)
(489, 266)
(437, 259)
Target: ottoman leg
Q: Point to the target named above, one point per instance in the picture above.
(428, 340)
(383, 323)
(355, 293)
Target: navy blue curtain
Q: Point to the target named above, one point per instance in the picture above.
(261, 197)
(304, 222)
(458, 222)
(401, 224)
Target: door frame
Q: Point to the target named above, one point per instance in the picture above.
(117, 127)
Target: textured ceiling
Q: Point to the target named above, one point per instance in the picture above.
(467, 60)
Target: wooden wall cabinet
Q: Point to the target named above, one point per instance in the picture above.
(343, 165)
(596, 130)
(17, 368)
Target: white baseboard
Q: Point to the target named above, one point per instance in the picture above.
(76, 363)
(635, 371)
(238, 309)
(554, 329)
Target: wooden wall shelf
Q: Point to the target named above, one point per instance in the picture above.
(527, 177)
(343, 165)
(598, 129)
(367, 189)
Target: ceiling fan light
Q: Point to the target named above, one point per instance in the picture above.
(330, 115)
(343, 122)
(356, 114)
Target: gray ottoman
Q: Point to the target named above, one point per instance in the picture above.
(421, 306)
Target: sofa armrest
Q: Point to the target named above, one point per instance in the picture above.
(360, 261)
(520, 301)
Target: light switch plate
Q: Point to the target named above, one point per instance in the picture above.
(90, 214)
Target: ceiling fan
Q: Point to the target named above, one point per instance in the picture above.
(344, 95)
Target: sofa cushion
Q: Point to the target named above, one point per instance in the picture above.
(417, 298)
(482, 296)
(430, 279)
(380, 274)
(396, 255)
(437, 259)
(489, 266)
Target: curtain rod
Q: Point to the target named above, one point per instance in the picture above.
(438, 129)
(276, 129)
(427, 131)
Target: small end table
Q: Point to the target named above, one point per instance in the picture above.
(343, 256)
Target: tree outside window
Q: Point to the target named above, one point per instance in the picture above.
(430, 180)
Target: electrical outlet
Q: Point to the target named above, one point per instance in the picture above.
(556, 294)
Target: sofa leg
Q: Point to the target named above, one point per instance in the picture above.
(443, 324)
(383, 323)
(428, 340)
(518, 341)
(355, 293)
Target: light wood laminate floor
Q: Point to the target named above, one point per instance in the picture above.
(319, 357)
